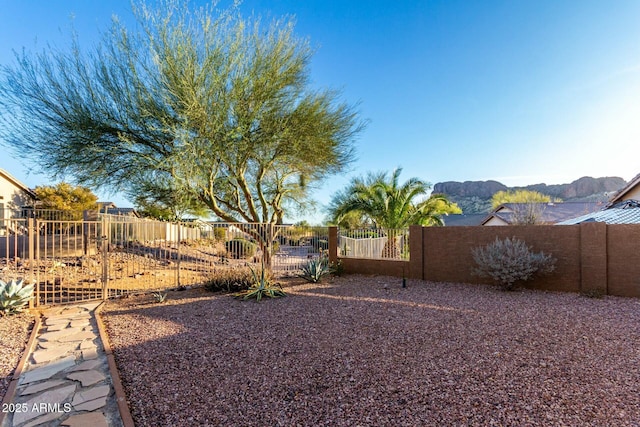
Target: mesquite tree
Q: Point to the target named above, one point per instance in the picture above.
(207, 106)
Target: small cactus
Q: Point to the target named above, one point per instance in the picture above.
(14, 296)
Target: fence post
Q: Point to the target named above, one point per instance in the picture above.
(89, 219)
(333, 245)
(416, 252)
(179, 225)
(31, 231)
(36, 233)
(106, 231)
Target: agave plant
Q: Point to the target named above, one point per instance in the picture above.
(262, 286)
(159, 297)
(14, 296)
(315, 270)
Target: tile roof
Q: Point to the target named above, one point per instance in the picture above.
(463, 219)
(550, 213)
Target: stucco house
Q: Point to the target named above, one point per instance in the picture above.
(14, 195)
(543, 213)
(623, 207)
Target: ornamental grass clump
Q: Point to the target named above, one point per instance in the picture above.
(510, 261)
(230, 279)
(14, 296)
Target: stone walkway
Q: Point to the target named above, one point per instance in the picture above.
(66, 380)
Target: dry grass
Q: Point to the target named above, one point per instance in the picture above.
(364, 351)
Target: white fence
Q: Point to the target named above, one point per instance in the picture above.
(376, 243)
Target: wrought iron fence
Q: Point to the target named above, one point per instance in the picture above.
(107, 256)
(374, 243)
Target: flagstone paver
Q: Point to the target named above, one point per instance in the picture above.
(66, 380)
(42, 386)
(48, 370)
(93, 419)
(51, 416)
(87, 378)
(53, 401)
(87, 365)
(91, 405)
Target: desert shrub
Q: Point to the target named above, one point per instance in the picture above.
(510, 261)
(337, 268)
(220, 233)
(240, 248)
(229, 280)
(262, 286)
(14, 296)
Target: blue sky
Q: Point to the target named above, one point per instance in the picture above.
(521, 92)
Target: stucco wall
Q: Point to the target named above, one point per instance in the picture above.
(447, 253)
(623, 255)
(12, 197)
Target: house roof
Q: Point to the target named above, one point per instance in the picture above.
(14, 181)
(550, 213)
(626, 212)
(619, 195)
(463, 219)
(123, 212)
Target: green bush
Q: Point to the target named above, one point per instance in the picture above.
(510, 261)
(230, 280)
(14, 296)
(240, 248)
(220, 233)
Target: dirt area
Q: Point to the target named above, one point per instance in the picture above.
(135, 269)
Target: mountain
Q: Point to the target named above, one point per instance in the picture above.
(475, 196)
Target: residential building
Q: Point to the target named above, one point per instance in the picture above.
(14, 195)
(538, 213)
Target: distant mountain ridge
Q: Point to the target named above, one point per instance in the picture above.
(475, 196)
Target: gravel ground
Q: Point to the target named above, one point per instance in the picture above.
(362, 351)
(14, 334)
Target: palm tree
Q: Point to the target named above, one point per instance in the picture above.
(390, 205)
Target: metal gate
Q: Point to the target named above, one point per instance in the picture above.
(109, 256)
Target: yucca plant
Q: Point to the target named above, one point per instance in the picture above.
(14, 296)
(315, 270)
(262, 286)
(159, 297)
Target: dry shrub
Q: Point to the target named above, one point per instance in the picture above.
(232, 279)
(510, 261)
